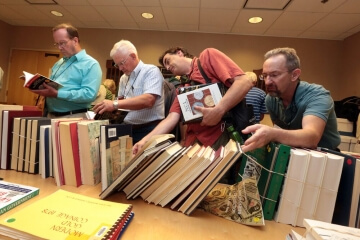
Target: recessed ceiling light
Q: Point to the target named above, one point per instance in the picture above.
(56, 13)
(147, 15)
(255, 20)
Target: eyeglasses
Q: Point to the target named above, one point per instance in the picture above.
(272, 75)
(121, 63)
(61, 44)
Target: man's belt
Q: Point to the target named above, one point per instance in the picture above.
(138, 126)
(59, 114)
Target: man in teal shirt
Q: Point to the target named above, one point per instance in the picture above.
(79, 74)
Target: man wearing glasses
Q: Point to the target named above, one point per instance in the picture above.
(303, 113)
(78, 73)
(140, 91)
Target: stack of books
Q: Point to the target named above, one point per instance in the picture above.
(319, 230)
(165, 173)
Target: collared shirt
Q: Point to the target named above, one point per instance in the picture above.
(146, 78)
(256, 98)
(219, 68)
(309, 99)
(80, 76)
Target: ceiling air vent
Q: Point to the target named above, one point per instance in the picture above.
(267, 4)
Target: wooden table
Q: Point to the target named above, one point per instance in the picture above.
(155, 222)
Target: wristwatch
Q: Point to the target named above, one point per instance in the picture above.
(116, 104)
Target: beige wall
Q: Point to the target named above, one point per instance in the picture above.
(349, 81)
(323, 61)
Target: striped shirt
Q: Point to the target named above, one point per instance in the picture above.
(256, 97)
(146, 78)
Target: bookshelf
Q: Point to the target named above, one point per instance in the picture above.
(153, 222)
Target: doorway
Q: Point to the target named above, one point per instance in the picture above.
(32, 62)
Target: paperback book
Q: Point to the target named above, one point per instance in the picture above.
(204, 96)
(66, 215)
(12, 195)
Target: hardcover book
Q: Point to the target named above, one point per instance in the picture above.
(34, 143)
(293, 187)
(13, 195)
(276, 181)
(167, 176)
(312, 186)
(258, 163)
(342, 209)
(70, 153)
(45, 149)
(66, 215)
(89, 150)
(231, 155)
(155, 144)
(219, 154)
(205, 96)
(153, 170)
(330, 189)
(111, 151)
(35, 82)
(8, 135)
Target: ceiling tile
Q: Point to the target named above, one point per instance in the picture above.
(181, 4)
(225, 17)
(72, 2)
(84, 13)
(242, 22)
(7, 13)
(350, 6)
(188, 16)
(111, 14)
(152, 26)
(106, 3)
(156, 11)
(28, 12)
(223, 4)
(337, 23)
(313, 5)
(290, 21)
(13, 2)
(283, 33)
(183, 27)
(319, 35)
(266, 4)
(141, 3)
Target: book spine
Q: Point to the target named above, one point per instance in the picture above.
(18, 202)
(293, 187)
(118, 226)
(276, 182)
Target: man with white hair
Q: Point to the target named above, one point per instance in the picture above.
(140, 91)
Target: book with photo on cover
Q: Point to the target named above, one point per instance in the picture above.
(35, 82)
(203, 95)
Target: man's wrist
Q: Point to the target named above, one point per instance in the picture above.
(116, 104)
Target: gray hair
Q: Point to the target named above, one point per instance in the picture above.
(292, 59)
(124, 47)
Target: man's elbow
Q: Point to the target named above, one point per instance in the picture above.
(149, 102)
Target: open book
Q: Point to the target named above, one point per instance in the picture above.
(35, 82)
(203, 95)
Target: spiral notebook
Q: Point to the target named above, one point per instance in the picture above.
(66, 215)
